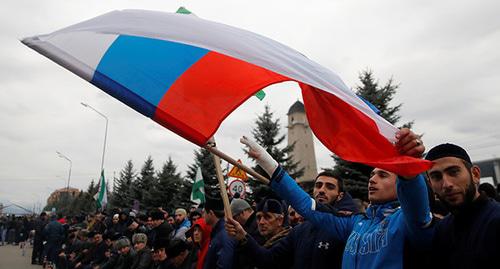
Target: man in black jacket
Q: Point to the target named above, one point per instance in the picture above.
(161, 229)
(37, 254)
(307, 246)
(469, 237)
(54, 233)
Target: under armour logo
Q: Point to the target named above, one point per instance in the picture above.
(324, 245)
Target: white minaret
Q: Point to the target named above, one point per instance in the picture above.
(300, 133)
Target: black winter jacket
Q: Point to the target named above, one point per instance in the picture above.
(469, 239)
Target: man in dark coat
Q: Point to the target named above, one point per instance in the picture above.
(126, 254)
(161, 229)
(221, 249)
(54, 233)
(144, 258)
(37, 254)
(307, 246)
(469, 237)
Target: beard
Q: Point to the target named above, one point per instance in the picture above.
(470, 193)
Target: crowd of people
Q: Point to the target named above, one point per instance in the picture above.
(439, 219)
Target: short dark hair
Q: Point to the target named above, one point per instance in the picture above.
(332, 174)
(156, 214)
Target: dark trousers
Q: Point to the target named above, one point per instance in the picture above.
(51, 251)
(37, 254)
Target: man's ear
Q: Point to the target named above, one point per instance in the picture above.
(341, 195)
(281, 218)
(476, 174)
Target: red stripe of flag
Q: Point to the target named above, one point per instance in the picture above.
(354, 136)
(208, 92)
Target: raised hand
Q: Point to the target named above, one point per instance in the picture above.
(260, 155)
(408, 143)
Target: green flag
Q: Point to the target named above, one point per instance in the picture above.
(183, 10)
(102, 195)
(198, 190)
(260, 94)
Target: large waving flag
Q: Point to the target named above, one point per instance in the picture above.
(188, 74)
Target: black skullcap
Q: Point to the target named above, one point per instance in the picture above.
(213, 203)
(270, 206)
(176, 247)
(447, 150)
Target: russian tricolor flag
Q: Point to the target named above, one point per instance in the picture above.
(189, 74)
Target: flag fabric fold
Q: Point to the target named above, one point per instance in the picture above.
(188, 74)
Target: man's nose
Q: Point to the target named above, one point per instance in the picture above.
(447, 182)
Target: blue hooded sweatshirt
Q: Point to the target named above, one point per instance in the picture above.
(375, 239)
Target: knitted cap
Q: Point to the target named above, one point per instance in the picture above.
(139, 238)
(121, 243)
(238, 206)
(181, 211)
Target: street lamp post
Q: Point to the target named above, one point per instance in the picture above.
(70, 166)
(105, 132)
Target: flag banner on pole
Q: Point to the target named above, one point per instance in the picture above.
(188, 74)
(102, 195)
(198, 190)
(183, 10)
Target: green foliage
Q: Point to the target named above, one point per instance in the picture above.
(167, 191)
(144, 184)
(204, 159)
(356, 175)
(122, 196)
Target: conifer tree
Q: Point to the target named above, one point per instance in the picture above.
(168, 187)
(144, 184)
(122, 196)
(204, 159)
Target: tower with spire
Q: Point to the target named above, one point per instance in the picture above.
(300, 133)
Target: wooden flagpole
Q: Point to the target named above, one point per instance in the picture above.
(220, 178)
(227, 158)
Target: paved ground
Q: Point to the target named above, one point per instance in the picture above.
(11, 258)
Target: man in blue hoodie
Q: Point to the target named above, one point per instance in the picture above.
(307, 246)
(376, 239)
(182, 224)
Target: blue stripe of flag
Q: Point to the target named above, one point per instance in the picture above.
(139, 71)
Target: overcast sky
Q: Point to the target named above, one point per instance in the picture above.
(444, 54)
